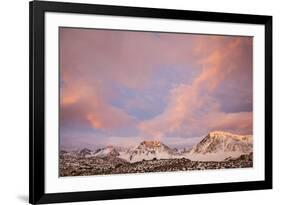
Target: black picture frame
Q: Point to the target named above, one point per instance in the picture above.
(37, 9)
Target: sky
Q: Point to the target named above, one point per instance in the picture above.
(122, 87)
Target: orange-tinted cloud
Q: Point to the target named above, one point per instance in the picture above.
(87, 104)
(95, 121)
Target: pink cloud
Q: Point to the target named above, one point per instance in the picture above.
(192, 107)
(240, 123)
(124, 57)
(87, 104)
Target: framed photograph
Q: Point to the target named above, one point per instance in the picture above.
(130, 102)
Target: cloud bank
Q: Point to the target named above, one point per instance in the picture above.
(144, 85)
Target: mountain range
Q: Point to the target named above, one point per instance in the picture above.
(215, 146)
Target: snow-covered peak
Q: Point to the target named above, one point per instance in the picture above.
(226, 135)
(153, 144)
(85, 152)
(223, 142)
(106, 151)
(148, 150)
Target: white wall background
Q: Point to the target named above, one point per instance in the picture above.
(14, 100)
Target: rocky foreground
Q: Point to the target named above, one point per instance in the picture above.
(82, 166)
